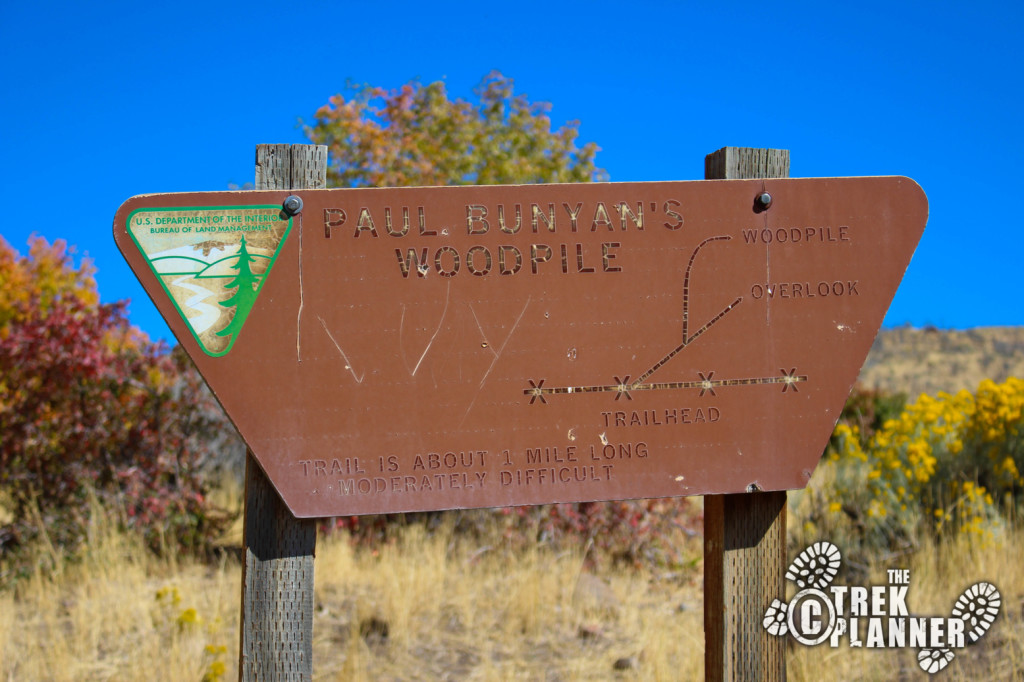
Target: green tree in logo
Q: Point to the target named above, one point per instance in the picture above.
(248, 285)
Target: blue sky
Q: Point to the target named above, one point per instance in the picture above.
(108, 100)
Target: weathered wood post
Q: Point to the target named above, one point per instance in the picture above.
(745, 533)
(277, 576)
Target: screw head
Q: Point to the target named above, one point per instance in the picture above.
(292, 205)
(764, 199)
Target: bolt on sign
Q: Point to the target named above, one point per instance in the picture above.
(412, 349)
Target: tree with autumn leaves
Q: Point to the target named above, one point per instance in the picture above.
(92, 411)
(417, 136)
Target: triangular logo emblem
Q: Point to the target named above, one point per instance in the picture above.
(212, 263)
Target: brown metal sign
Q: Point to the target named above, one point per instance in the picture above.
(390, 350)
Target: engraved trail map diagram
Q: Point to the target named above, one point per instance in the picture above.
(706, 382)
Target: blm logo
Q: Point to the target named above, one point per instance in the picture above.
(211, 262)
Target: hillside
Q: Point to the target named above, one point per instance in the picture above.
(929, 360)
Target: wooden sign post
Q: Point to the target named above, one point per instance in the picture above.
(409, 349)
(744, 533)
(276, 628)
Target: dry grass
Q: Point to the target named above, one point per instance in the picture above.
(435, 607)
(429, 608)
(98, 617)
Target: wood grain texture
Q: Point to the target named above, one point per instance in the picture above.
(738, 163)
(277, 576)
(744, 534)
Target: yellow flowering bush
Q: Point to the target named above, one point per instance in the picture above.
(950, 463)
(995, 430)
(216, 668)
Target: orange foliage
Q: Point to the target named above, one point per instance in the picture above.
(417, 136)
(46, 276)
